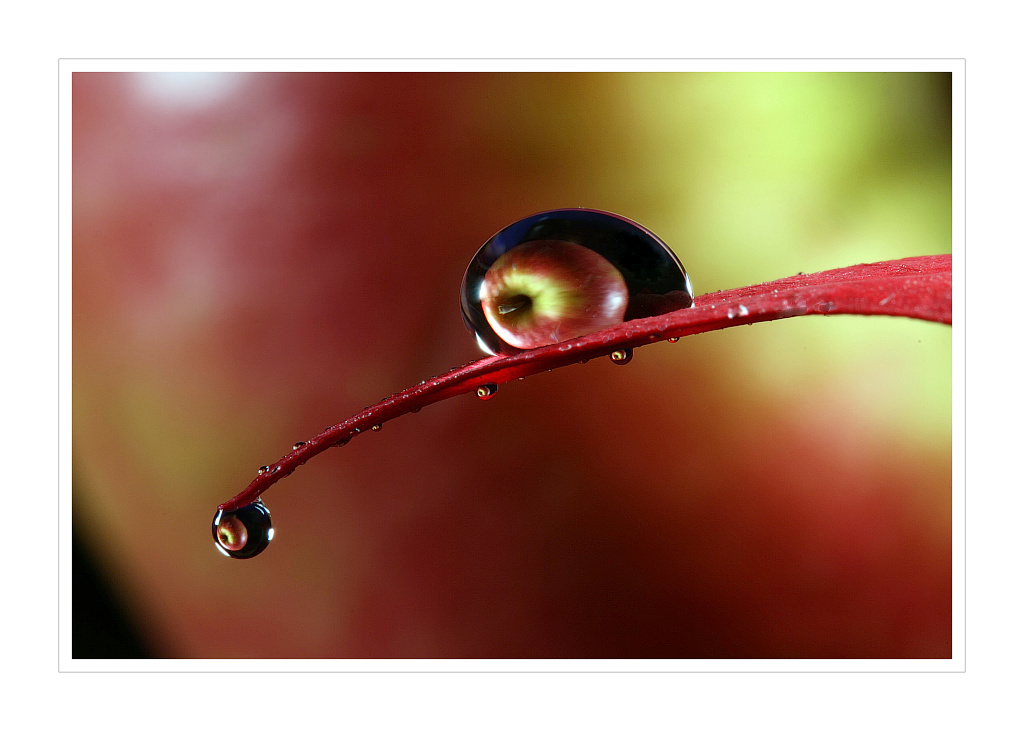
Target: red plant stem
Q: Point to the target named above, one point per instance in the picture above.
(919, 287)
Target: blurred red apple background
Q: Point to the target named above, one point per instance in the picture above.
(258, 256)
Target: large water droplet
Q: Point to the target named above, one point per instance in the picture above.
(565, 273)
(243, 532)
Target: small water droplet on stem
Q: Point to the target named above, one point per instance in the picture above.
(243, 532)
(622, 356)
(486, 391)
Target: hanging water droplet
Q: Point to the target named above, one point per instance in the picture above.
(565, 273)
(243, 532)
(353, 432)
(341, 442)
(263, 470)
(486, 391)
(622, 356)
(673, 340)
(376, 427)
(298, 444)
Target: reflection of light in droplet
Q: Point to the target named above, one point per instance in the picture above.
(562, 274)
(621, 357)
(483, 346)
(242, 532)
(186, 90)
(270, 534)
(232, 532)
(486, 391)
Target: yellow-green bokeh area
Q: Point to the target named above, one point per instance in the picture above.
(765, 171)
(748, 176)
(755, 176)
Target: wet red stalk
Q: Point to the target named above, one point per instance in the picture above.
(919, 287)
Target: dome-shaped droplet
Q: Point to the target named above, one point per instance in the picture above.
(243, 532)
(621, 356)
(562, 274)
(263, 470)
(298, 444)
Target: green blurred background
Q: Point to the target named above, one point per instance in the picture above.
(258, 256)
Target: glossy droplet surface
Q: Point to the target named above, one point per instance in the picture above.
(231, 533)
(243, 532)
(486, 391)
(622, 357)
(565, 273)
